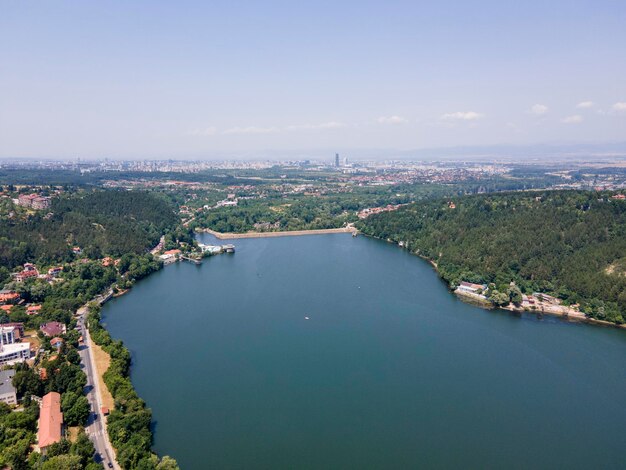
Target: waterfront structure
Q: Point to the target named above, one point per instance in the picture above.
(50, 421)
(471, 288)
(7, 390)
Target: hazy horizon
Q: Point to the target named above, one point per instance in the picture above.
(189, 80)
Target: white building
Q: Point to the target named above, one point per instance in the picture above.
(10, 351)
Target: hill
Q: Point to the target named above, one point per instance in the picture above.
(570, 244)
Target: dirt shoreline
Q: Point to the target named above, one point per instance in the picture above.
(292, 233)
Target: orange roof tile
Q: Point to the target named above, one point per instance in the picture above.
(50, 420)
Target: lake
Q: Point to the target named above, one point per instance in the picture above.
(390, 370)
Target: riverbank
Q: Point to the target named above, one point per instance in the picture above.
(292, 233)
(562, 311)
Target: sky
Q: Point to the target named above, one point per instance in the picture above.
(236, 79)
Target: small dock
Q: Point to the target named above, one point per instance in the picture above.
(228, 248)
(191, 260)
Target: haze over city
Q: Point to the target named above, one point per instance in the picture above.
(276, 79)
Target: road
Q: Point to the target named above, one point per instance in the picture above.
(95, 428)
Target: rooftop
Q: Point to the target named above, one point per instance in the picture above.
(50, 420)
(6, 381)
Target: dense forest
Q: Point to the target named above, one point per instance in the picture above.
(99, 222)
(571, 244)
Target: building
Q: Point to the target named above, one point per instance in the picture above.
(336, 160)
(56, 342)
(34, 201)
(29, 271)
(33, 310)
(7, 334)
(18, 331)
(8, 296)
(7, 390)
(54, 272)
(471, 288)
(10, 351)
(53, 328)
(40, 203)
(50, 421)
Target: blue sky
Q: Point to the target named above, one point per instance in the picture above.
(150, 79)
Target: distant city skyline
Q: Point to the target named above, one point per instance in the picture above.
(265, 79)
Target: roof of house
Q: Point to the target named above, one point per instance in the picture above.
(56, 340)
(53, 328)
(171, 252)
(6, 382)
(50, 420)
(472, 285)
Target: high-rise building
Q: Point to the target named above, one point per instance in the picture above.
(337, 160)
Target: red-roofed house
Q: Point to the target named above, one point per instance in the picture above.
(53, 328)
(50, 421)
(33, 309)
(54, 272)
(9, 296)
(172, 252)
(56, 342)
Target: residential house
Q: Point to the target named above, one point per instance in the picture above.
(8, 296)
(33, 310)
(53, 328)
(56, 342)
(54, 272)
(29, 271)
(40, 202)
(50, 421)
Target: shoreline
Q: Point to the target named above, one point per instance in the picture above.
(561, 311)
(285, 233)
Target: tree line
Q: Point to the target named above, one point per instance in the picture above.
(571, 244)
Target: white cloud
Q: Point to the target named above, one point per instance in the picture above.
(573, 119)
(539, 109)
(323, 125)
(250, 130)
(585, 105)
(620, 107)
(392, 120)
(462, 116)
(203, 132)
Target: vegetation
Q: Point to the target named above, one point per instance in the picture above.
(129, 423)
(557, 242)
(101, 223)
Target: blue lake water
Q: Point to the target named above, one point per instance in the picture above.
(389, 371)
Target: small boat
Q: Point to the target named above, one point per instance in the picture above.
(306, 318)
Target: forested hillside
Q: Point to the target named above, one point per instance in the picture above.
(568, 243)
(99, 222)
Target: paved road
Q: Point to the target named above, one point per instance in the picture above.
(96, 429)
